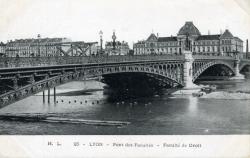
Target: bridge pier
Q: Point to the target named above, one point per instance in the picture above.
(43, 97)
(188, 72)
(49, 95)
(237, 75)
(54, 94)
(189, 86)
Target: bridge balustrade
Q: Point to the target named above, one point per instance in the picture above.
(213, 57)
(12, 62)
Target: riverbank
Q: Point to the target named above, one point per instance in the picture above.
(227, 95)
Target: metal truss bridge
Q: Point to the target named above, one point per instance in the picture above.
(23, 77)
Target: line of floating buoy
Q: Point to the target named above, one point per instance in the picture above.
(81, 102)
(133, 103)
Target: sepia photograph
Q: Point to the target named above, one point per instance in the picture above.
(124, 68)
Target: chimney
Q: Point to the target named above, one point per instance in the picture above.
(220, 31)
(247, 53)
(208, 32)
(157, 35)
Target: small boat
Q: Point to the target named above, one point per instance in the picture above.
(208, 89)
(198, 94)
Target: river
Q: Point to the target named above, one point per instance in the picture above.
(162, 114)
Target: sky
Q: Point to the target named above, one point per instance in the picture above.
(132, 20)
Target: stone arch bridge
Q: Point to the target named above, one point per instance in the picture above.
(23, 77)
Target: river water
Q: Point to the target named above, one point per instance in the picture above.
(162, 114)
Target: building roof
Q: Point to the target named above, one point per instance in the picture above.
(152, 37)
(238, 39)
(167, 39)
(189, 29)
(2, 44)
(38, 40)
(140, 42)
(208, 37)
(227, 34)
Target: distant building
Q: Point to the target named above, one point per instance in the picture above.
(224, 43)
(46, 47)
(2, 49)
(34, 47)
(117, 48)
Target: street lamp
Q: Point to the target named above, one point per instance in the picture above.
(101, 33)
(38, 48)
(114, 38)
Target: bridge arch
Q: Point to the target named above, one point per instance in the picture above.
(203, 67)
(242, 66)
(170, 74)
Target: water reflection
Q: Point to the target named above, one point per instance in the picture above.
(192, 105)
(157, 113)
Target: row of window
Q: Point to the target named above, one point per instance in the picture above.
(195, 49)
(29, 53)
(175, 43)
(30, 48)
(156, 50)
(206, 43)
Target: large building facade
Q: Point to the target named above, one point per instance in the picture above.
(33, 47)
(224, 43)
(47, 47)
(117, 48)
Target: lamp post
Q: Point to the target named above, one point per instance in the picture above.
(247, 53)
(101, 33)
(38, 37)
(114, 38)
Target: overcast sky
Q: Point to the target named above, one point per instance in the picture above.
(132, 20)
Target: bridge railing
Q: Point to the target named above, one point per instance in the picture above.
(12, 62)
(63, 60)
(213, 57)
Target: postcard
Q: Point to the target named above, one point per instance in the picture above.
(124, 78)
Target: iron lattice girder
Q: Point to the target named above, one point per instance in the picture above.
(244, 63)
(76, 72)
(168, 69)
(199, 66)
